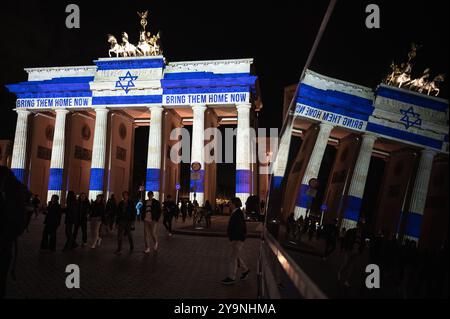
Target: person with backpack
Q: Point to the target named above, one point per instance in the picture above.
(70, 220)
(82, 218)
(14, 199)
(52, 222)
(169, 213)
(151, 216)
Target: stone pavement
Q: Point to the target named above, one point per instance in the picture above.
(218, 227)
(184, 267)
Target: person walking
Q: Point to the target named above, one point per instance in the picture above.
(126, 216)
(151, 216)
(70, 220)
(184, 210)
(190, 209)
(96, 217)
(36, 202)
(352, 237)
(81, 218)
(237, 232)
(111, 211)
(331, 234)
(52, 221)
(208, 213)
(169, 212)
(29, 214)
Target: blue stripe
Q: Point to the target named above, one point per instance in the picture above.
(55, 179)
(303, 199)
(96, 179)
(248, 81)
(131, 99)
(352, 208)
(336, 102)
(276, 182)
(129, 64)
(412, 99)
(205, 90)
(43, 95)
(413, 224)
(200, 184)
(152, 179)
(202, 75)
(19, 173)
(243, 177)
(407, 136)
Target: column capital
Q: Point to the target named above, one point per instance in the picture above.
(23, 111)
(428, 152)
(325, 125)
(243, 106)
(199, 107)
(101, 109)
(155, 107)
(61, 111)
(369, 136)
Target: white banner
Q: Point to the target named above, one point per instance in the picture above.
(206, 98)
(77, 102)
(333, 118)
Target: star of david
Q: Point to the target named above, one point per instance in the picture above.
(126, 82)
(410, 118)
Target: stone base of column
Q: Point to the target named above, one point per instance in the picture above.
(348, 224)
(411, 238)
(50, 193)
(199, 197)
(93, 195)
(299, 212)
(243, 197)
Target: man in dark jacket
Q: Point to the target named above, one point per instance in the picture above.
(150, 216)
(81, 218)
(170, 209)
(237, 232)
(52, 221)
(126, 216)
(13, 198)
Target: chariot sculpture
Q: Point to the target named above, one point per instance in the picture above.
(400, 76)
(148, 45)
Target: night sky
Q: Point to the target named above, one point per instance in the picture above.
(277, 34)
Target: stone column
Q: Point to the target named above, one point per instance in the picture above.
(312, 169)
(419, 196)
(96, 185)
(19, 154)
(197, 153)
(243, 165)
(353, 200)
(153, 178)
(55, 184)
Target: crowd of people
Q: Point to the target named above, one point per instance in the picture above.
(104, 217)
(18, 206)
(414, 272)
